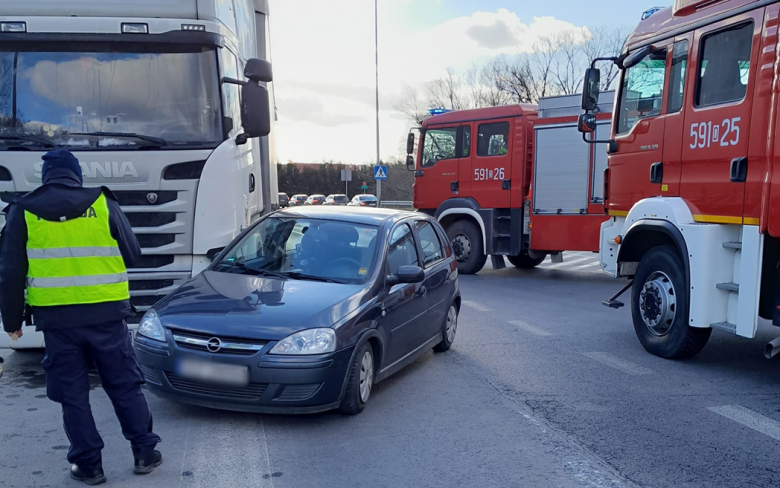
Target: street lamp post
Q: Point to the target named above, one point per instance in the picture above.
(376, 48)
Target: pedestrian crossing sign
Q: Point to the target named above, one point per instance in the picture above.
(380, 172)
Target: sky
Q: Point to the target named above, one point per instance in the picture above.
(323, 59)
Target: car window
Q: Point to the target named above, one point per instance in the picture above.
(725, 66)
(342, 251)
(493, 139)
(429, 242)
(402, 251)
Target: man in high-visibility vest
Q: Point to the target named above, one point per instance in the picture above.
(69, 247)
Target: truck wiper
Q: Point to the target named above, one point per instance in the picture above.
(24, 137)
(157, 140)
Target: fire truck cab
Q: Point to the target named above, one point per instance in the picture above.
(693, 203)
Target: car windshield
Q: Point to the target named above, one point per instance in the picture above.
(303, 248)
(88, 98)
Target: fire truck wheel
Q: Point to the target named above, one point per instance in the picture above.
(524, 261)
(659, 307)
(466, 240)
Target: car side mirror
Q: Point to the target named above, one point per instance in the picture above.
(407, 275)
(410, 163)
(213, 254)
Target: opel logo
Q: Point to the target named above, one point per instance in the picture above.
(152, 197)
(214, 344)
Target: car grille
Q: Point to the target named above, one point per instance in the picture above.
(150, 375)
(253, 392)
(252, 346)
(292, 393)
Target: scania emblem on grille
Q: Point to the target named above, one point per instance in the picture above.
(214, 344)
(152, 197)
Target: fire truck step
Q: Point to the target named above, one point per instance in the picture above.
(732, 287)
(733, 245)
(725, 326)
(504, 217)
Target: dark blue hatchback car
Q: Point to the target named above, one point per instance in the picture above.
(305, 311)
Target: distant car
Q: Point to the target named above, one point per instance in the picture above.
(337, 199)
(363, 201)
(299, 199)
(304, 312)
(284, 200)
(315, 200)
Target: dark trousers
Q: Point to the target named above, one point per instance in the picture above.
(69, 354)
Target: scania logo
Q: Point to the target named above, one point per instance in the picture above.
(214, 344)
(152, 198)
(106, 170)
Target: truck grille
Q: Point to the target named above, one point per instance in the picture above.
(140, 198)
(149, 219)
(155, 240)
(154, 261)
(136, 285)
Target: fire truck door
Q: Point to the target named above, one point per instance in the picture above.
(639, 133)
(437, 178)
(491, 164)
(717, 125)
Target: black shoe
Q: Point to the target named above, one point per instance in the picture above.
(147, 464)
(96, 478)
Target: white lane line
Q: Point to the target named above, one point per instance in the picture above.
(530, 328)
(564, 264)
(749, 419)
(589, 265)
(476, 306)
(618, 363)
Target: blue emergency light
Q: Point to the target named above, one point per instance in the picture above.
(649, 13)
(438, 111)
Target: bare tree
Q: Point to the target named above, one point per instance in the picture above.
(412, 105)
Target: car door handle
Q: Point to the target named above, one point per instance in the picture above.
(739, 168)
(422, 292)
(657, 173)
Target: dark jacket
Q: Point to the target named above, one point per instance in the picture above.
(61, 195)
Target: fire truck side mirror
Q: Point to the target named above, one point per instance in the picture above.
(635, 57)
(410, 163)
(587, 124)
(591, 89)
(410, 143)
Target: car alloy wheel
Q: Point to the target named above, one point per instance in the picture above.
(452, 323)
(366, 376)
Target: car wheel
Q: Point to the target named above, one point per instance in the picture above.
(466, 239)
(524, 261)
(361, 381)
(659, 307)
(449, 330)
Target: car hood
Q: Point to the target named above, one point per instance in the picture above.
(256, 307)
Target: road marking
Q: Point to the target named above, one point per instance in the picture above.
(749, 419)
(564, 264)
(476, 306)
(589, 265)
(618, 363)
(530, 328)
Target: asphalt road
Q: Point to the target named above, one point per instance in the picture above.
(544, 387)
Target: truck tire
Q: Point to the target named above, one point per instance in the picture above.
(466, 240)
(524, 261)
(659, 306)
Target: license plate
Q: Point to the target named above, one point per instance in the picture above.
(226, 374)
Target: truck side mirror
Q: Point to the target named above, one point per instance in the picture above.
(255, 110)
(258, 71)
(587, 124)
(410, 143)
(410, 163)
(591, 89)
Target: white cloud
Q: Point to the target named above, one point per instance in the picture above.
(324, 68)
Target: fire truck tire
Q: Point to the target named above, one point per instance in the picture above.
(524, 261)
(659, 306)
(466, 240)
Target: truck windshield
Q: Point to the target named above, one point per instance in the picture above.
(118, 100)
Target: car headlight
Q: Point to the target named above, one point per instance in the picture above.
(312, 341)
(151, 327)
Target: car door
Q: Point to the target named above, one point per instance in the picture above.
(405, 305)
(438, 275)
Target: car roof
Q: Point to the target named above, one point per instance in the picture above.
(355, 215)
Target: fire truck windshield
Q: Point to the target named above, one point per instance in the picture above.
(119, 100)
(642, 92)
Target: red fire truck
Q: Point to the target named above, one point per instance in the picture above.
(693, 202)
(515, 181)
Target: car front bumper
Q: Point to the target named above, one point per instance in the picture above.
(277, 384)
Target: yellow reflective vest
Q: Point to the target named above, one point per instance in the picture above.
(74, 262)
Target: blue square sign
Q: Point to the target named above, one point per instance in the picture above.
(380, 172)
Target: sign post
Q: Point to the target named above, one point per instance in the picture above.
(346, 177)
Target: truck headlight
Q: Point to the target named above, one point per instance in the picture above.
(312, 341)
(150, 326)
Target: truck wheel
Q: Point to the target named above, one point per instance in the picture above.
(466, 239)
(524, 261)
(659, 307)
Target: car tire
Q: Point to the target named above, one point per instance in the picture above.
(449, 329)
(524, 261)
(466, 240)
(659, 306)
(361, 375)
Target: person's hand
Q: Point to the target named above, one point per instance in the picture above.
(15, 336)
